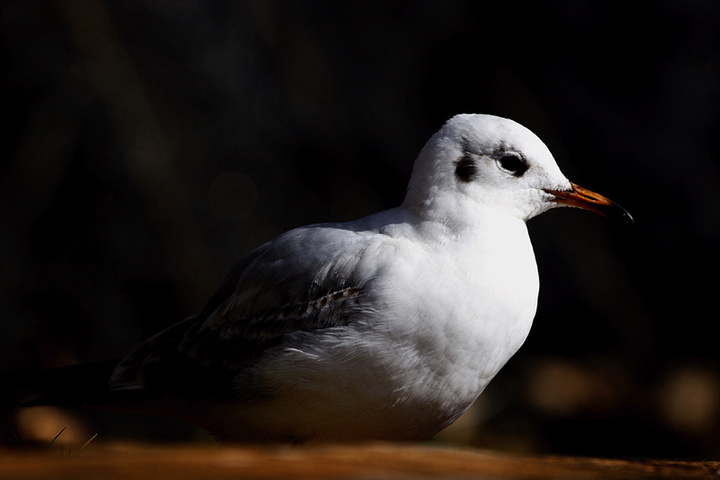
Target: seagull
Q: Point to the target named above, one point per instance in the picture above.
(384, 328)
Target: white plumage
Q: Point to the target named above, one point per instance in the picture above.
(388, 327)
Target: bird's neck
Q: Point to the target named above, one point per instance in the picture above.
(455, 217)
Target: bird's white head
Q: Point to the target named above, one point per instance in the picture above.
(483, 161)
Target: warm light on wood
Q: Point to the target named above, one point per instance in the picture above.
(367, 461)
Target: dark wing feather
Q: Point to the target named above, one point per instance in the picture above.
(270, 294)
(238, 342)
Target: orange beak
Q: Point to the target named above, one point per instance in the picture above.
(580, 197)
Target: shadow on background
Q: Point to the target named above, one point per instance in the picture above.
(149, 145)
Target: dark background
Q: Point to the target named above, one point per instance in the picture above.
(148, 145)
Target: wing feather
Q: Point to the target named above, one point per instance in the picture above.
(293, 283)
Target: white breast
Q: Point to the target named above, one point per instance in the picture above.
(465, 314)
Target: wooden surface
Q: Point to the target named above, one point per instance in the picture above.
(366, 461)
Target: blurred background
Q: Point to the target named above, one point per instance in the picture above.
(148, 145)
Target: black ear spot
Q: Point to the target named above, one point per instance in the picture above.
(465, 169)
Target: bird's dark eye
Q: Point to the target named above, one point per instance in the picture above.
(513, 164)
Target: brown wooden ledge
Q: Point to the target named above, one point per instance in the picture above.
(116, 461)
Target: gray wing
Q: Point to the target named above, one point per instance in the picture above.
(307, 279)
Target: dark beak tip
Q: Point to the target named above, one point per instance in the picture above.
(627, 218)
(619, 212)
